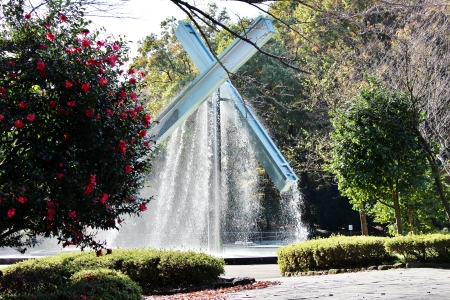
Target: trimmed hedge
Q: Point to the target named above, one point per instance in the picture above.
(150, 269)
(430, 247)
(102, 284)
(333, 253)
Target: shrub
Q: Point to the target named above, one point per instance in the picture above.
(102, 284)
(74, 151)
(432, 247)
(333, 253)
(150, 269)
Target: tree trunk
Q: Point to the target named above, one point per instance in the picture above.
(411, 222)
(437, 180)
(398, 217)
(363, 218)
(434, 170)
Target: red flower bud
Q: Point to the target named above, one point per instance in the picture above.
(40, 66)
(85, 87)
(31, 117)
(50, 37)
(18, 123)
(11, 212)
(85, 43)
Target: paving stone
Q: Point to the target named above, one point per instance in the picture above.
(411, 284)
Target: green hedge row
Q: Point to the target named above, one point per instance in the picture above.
(333, 253)
(431, 247)
(340, 252)
(150, 269)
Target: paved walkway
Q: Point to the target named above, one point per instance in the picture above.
(408, 284)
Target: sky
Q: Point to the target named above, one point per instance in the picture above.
(148, 14)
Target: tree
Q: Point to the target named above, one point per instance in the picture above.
(73, 151)
(375, 156)
(415, 61)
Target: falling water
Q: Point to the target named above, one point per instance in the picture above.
(182, 183)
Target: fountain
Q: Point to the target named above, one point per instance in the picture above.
(205, 179)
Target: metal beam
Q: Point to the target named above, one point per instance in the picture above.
(268, 154)
(210, 79)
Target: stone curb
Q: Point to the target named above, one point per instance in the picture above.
(371, 268)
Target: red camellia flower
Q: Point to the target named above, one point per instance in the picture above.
(52, 104)
(109, 112)
(66, 136)
(1, 117)
(51, 211)
(50, 37)
(27, 16)
(71, 103)
(22, 104)
(142, 207)
(46, 25)
(128, 169)
(62, 18)
(21, 199)
(100, 43)
(122, 147)
(104, 198)
(147, 144)
(101, 71)
(89, 113)
(115, 47)
(132, 81)
(123, 94)
(131, 72)
(85, 87)
(40, 66)
(142, 74)
(146, 120)
(11, 212)
(142, 133)
(85, 32)
(88, 188)
(123, 116)
(92, 178)
(85, 43)
(13, 76)
(99, 253)
(72, 214)
(43, 47)
(68, 84)
(31, 117)
(59, 176)
(18, 123)
(112, 59)
(102, 81)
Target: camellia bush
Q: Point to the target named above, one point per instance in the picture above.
(74, 149)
